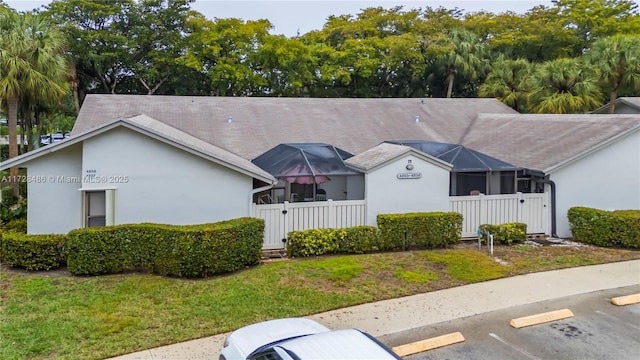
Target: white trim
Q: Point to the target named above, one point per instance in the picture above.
(109, 204)
(409, 151)
(142, 130)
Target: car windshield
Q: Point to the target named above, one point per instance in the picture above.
(340, 344)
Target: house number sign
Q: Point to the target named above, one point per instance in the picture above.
(409, 175)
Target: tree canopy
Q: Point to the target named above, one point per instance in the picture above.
(165, 47)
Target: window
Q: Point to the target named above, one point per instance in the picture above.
(471, 181)
(98, 209)
(95, 208)
(507, 182)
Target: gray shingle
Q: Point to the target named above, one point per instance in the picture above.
(356, 125)
(259, 124)
(541, 141)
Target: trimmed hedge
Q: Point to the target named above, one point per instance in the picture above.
(185, 251)
(605, 228)
(33, 252)
(17, 225)
(314, 242)
(508, 233)
(422, 230)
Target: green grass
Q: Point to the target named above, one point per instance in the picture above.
(57, 316)
(468, 266)
(416, 277)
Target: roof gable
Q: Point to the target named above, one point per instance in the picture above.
(386, 153)
(463, 159)
(632, 102)
(145, 125)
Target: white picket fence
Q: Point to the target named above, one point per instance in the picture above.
(280, 219)
(530, 209)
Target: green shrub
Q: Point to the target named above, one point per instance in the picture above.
(509, 233)
(16, 225)
(33, 252)
(186, 251)
(9, 198)
(14, 212)
(421, 230)
(605, 228)
(314, 242)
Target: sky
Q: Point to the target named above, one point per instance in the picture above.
(291, 17)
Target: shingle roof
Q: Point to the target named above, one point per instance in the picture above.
(633, 102)
(386, 152)
(163, 132)
(542, 141)
(537, 142)
(259, 124)
(211, 151)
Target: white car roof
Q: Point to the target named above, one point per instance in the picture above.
(251, 337)
(340, 344)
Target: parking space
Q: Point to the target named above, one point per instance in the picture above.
(598, 330)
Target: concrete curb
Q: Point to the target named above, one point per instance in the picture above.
(395, 315)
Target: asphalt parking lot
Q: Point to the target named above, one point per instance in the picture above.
(598, 330)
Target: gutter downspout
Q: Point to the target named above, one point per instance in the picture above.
(553, 205)
(255, 191)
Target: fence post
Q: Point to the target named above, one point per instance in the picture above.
(484, 211)
(331, 213)
(519, 207)
(285, 224)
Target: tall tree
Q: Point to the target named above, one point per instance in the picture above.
(468, 62)
(591, 20)
(287, 65)
(616, 62)
(159, 28)
(508, 82)
(222, 49)
(33, 69)
(100, 43)
(561, 87)
(538, 35)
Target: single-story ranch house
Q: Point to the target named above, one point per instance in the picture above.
(308, 162)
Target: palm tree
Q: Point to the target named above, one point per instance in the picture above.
(508, 82)
(616, 62)
(561, 87)
(467, 60)
(32, 67)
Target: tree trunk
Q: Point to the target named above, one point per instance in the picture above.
(613, 96)
(26, 120)
(74, 86)
(452, 75)
(12, 104)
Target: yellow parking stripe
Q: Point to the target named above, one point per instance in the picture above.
(428, 344)
(541, 318)
(626, 300)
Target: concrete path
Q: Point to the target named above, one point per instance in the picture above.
(391, 316)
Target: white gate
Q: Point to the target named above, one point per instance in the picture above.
(280, 219)
(530, 209)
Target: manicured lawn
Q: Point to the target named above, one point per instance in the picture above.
(51, 315)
